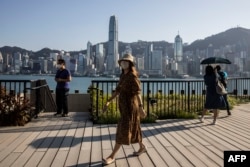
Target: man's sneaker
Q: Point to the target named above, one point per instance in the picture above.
(56, 114)
(228, 113)
(202, 119)
(64, 115)
(214, 122)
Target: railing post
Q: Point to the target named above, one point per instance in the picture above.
(45, 95)
(97, 99)
(37, 99)
(188, 96)
(148, 101)
(24, 89)
(236, 85)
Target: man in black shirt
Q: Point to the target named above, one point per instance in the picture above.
(63, 77)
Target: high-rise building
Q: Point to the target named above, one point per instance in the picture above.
(25, 60)
(112, 45)
(148, 57)
(6, 62)
(178, 48)
(99, 57)
(66, 57)
(80, 61)
(156, 60)
(89, 53)
(140, 63)
(17, 62)
(73, 66)
(44, 66)
(54, 56)
(156, 63)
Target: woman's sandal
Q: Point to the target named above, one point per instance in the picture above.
(140, 151)
(108, 161)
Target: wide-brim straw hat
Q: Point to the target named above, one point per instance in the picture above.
(127, 57)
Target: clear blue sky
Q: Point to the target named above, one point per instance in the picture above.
(69, 24)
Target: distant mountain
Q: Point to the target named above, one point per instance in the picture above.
(11, 50)
(45, 52)
(238, 36)
(234, 36)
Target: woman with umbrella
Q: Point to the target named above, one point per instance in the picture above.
(214, 101)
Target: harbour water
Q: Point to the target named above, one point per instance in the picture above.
(78, 83)
(81, 84)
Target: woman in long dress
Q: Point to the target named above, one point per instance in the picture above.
(214, 101)
(130, 106)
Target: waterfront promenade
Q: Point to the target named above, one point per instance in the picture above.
(76, 141)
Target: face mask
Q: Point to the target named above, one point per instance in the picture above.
(124, 65)
(59, 66)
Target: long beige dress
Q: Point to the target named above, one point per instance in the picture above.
(128, 128)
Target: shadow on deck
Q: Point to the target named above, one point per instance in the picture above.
(76, 141)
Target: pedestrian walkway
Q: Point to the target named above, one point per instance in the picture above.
(76, 141)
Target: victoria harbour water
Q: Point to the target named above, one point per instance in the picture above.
(81, 84)
(77, 83)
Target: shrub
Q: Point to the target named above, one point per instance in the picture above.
(15, 110)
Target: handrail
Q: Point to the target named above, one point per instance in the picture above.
(38, 87)
(44, 100)
(165, 95)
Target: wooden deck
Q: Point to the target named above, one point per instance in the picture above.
(75, 141)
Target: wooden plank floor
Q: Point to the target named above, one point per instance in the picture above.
(76, 141)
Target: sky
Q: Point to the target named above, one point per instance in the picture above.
(69, 24)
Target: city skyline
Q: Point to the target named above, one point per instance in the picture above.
(69, 25)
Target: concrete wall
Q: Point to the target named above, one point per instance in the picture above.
(78, 102)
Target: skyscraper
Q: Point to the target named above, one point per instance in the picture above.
(99, 57)
(178, 48)
(89, 53)
(112, 45)
(17, 62)
(148, 57)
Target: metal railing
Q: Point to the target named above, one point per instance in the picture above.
(37, 91)
(15, 87)
(164, 96)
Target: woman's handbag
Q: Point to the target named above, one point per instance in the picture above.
(220, 89)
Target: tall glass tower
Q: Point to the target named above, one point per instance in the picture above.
(112, 45)
(148, 57)
(178, 48)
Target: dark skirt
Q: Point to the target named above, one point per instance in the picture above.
(214, 101)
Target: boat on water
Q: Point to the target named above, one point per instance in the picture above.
(110, 76)
(185, 76)
(94, 75)
(144, 76)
